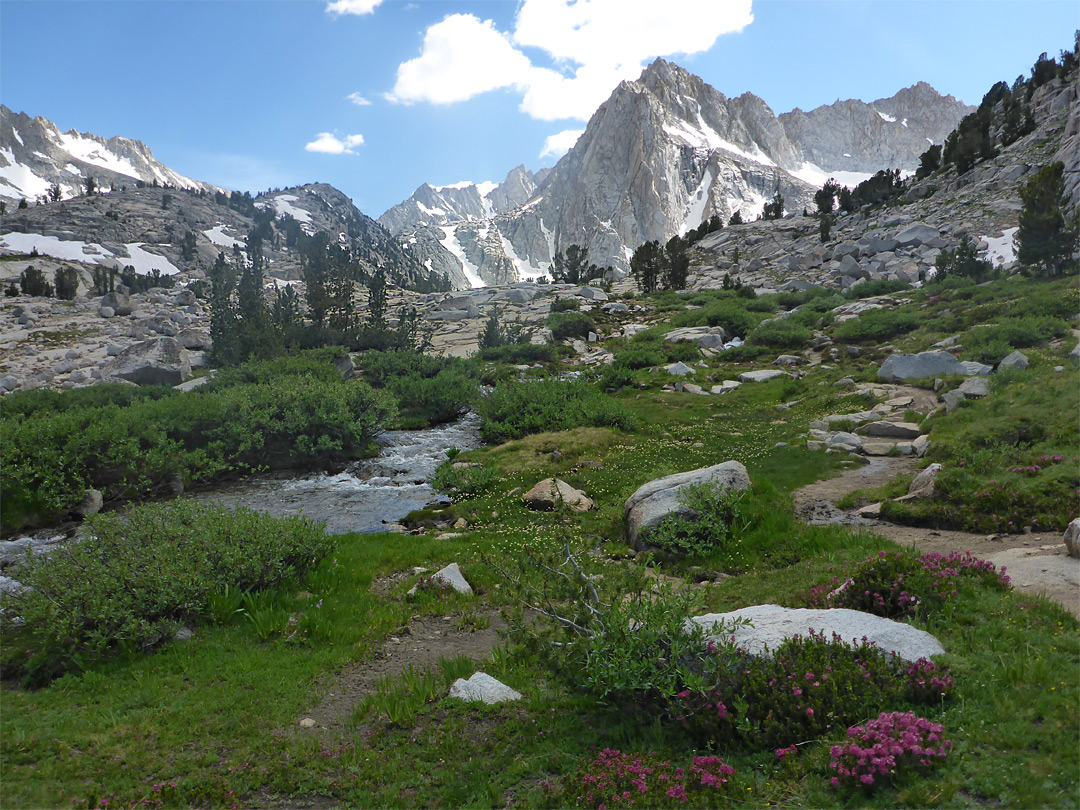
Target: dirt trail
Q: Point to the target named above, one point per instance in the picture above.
(1036, 563)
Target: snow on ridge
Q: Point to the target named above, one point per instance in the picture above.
(1001, 249)
(451, 243)
(458, 185)
(21, 178)
(695, 206)
(218, 237)
(431, 212)
(816, 176)
(90, 151)
(525, 271)
(18, 137)
(283, 204)
(72, 250)
(703, 136)
(890, 119)
(903, 123)
(71, 168)
(486, 187)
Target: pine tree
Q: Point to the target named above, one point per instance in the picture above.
(736, 218)
(824, 198)
(1046, 239)
(67, 282)
(646, 266)
(676, 265)
(774, 209)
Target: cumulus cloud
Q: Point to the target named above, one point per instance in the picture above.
(357, 7)
(329, 144)
(560, 143)
(358, 100)
(462, 57)
(594, 44)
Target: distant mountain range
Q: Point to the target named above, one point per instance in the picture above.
(661, 155)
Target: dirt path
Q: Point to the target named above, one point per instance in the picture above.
(1036, 563)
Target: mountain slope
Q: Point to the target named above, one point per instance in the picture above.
(35, 154)
(663, 154)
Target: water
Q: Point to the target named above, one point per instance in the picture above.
(366, 496)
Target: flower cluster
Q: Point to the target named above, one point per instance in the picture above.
(1031, 469)
(615, 779)
(894, 584)
(928, 682)
(886, 747)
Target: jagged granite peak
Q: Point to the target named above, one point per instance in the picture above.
(459, 202)
(35, 154)
(855, 136)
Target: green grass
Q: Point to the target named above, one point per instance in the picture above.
(218, 715)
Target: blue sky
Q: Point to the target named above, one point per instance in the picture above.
(251, 94)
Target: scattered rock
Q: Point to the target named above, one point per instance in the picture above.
(974, 387)
(91, 504)
(922, 486)
(160, 361)
(482, 688)
(915, 366)
(762, 375)
(660, 498)
(679, 369)
(952, 399)
(1016, 359)
(452, 576)
(308, 722)
(1072, 538)
(892, 430)
(547, 494)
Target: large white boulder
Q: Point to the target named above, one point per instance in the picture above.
(482, 688)
(771, 625)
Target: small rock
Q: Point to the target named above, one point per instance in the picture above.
(482, 688)
(1016, 360)
(308, 722)
(547, 494)
(974, 387)
(761, 375)
(1072, 538)
(892, 430)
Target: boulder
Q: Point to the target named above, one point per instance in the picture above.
(706, 337)
(679, 369)
(916, 234)
(591, 293)
(452, 577)
(724, 387)
(91, 504)
(547, 494)
(160, 361)
(974, 387)
(771, 625)
(1072, 538)
(761, 375)
(915, 366)
(970, 368)
(1074, 355)
(1016, 359)
(922, 486)
(952, 399)
(658, 499)
(482, 688)
(892, 430)
(119, 303)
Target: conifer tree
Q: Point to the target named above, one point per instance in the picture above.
(1046, 238)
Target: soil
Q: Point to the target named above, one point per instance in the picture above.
(1036, 563)
(419, 645)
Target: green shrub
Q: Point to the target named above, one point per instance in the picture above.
(730, 313)
(127, 451)
(869, 289)
(131, 581)
(516, 409)
(565, 305)
(877, 324)
(464, 480)
(640, 356)
(521, 353)
(989, 344)
(568, 325)
(716, 522)
(783, 333)
(426, 401)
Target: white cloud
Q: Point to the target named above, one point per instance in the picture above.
(358, 100)
(357, 7)
(561, 142)
(329, 144)
(594, 43)
(461, 58)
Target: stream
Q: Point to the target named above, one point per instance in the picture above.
(368, 494)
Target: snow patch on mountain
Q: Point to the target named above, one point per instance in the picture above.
(525, 271)
(90, 151)
(142, 260)
(451, 243)
(21, 179)
(218, 237)
(1001, 249)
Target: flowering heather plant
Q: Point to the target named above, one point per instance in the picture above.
(614, 779)
(928, 682)
(807, 687)
(897, 584)
(895, 743)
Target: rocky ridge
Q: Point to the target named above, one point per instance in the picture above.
(35, 154)
(666, 152)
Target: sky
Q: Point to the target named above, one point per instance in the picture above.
(377, 97)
